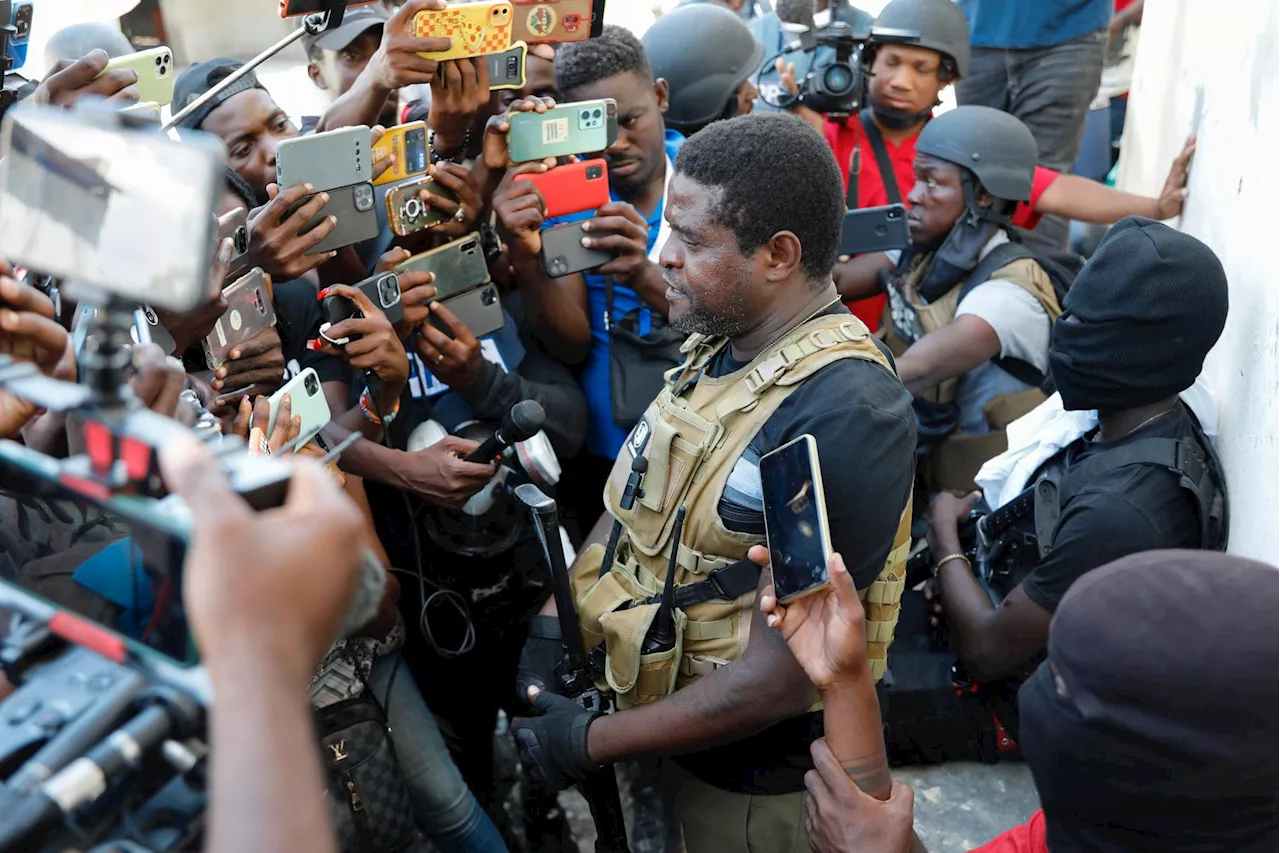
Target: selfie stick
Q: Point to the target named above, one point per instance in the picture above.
(313, 25)
(601, 787)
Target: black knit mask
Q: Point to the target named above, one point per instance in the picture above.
(1139, 319)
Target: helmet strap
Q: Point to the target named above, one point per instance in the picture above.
(896, 119)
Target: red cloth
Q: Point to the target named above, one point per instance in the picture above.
(1028, 838)
(846, 135)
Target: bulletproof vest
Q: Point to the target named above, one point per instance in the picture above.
(692, 435)
(1016, 537)
(908, 318)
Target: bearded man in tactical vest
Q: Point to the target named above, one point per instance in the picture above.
(970, 308)
(755, 209)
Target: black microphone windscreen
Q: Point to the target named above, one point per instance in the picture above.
(524, 421)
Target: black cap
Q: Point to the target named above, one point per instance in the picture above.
(355, 23)
(202, 77)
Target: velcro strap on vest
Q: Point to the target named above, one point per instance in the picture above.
(716, 629)
(725, 584)
(700, 665)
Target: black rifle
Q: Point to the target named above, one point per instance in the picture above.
(601, 787)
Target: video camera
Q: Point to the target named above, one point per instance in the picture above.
(836, 78)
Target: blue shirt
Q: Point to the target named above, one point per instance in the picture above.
(604, 437)
(1024, 24)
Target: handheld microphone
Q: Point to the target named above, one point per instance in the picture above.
(522, 423)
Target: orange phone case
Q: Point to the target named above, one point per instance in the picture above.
(476, 29)
(408, 142)
(542, 22)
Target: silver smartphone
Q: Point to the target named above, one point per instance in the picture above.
(327, 161)
(249, 311)
(235, 225)
(480, 310)
(795, 519)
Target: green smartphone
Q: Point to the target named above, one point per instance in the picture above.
(154, 68)
(583, 127)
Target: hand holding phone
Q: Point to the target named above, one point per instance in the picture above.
(279, 239)
(473, 29)
(356, 330)
(154, 70)
(306, 403)
(69, 81)
(406, 146)
(795, 519)
(572, 188)
(575, 128)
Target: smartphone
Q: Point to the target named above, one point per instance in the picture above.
(327, 161)
(407, 213)
(149, 110)
(293, 8)
(573, 187)
(458, 265)
(563, 253)
(306, 399)
(154, 68)
(334, 309)
(383, 290)
(475, 29)
(408, 143)
(479, 309)
(506, 69)
(357, 219)
(542, 22)
(795, 518)
(249, 311)
(875, 229)
(20, 14)
(235, 226)
(574, 128)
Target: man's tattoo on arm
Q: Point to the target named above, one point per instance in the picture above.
(870, 773)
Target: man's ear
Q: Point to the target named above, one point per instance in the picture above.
(782, 255)
(663, 92)
(317, 77)
(982, 198)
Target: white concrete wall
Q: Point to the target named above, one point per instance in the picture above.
(1212, 68)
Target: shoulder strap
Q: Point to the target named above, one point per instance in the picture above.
(887, 176)
(1197, 472)
(608, 302)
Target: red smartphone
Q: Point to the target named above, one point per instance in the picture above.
(293, 8)
(572, 188)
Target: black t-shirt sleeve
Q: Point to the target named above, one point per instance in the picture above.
(866, 451)
(1095, 529)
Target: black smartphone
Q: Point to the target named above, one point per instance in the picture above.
(383, 290)
(875, 229)
(563, 253)
(480, 310)
(795, 519)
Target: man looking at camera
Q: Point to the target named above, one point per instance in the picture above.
(754, 208)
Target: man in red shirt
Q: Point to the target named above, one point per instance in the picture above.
(917, 49)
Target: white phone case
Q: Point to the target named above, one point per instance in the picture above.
(306, 398)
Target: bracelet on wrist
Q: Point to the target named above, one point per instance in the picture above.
(452, 156)
(947, 559)
(370, 411)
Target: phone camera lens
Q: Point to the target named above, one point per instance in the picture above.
(595, 114)
(241, 240)
(586, 115)
(489, 297)
(311, 384)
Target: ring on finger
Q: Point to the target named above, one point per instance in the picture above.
(460, 214)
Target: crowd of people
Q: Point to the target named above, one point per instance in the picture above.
(1016, 449)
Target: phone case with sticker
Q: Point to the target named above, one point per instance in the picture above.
(548, 22)
(475, 29)
(408, 144)
(582, 127)
(407, 213)
(249, 311)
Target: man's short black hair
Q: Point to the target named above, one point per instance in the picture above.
(775, 173)
(616, 51)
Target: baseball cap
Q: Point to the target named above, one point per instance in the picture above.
(202, 77)
(354, 24)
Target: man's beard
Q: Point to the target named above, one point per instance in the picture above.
(702, 319)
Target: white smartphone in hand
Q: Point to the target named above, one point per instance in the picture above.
(306, 398)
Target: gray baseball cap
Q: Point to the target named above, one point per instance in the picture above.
(355, 23)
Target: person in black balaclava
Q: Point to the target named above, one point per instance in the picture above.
(1138, 323)
(1152, 727)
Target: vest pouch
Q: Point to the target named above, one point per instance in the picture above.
(954, 464)
(635, 677)
(1006, 408)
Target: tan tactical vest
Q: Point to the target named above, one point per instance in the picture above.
(954, 464)
(692, 441)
